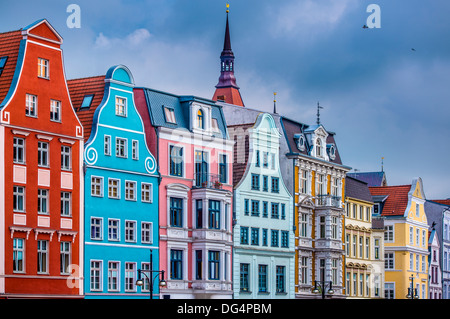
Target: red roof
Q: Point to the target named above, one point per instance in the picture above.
(442, 201)
(397, 199)
(78, 89)
(9, 46)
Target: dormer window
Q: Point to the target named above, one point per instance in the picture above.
(2, 63)
(169, 114)
(301, 143)
(87, 100)
(200, 119)
(215, 125)
(318, 147)
(332, 152)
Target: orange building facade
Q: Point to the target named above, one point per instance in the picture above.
(41, 141)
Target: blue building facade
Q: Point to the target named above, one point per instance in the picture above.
(121, 189)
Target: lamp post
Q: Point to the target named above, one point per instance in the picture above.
(151, 277)
(412, 292)
(322, 284)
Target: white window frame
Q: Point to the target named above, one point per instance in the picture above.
(129, 189)
(66, 156)
(16, 195)
(112, 187)
(43, 200)
(146, 192)
(107, 145)
(42, 253)
(130, 276)
(96, 271)
(121, 108)
(120, 146)
(65, 252)
(55, 111)
(147, 231)
(97, 184)
(116, 277)
(43, 68)
(135, 149)
(64, 200)
(130, 231)
(17, 147)
(116, 226)
(98, 225)
(43, 154)
(31, 105)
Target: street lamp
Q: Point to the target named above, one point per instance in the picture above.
(322, 284)
(151, 277)
(412, 292)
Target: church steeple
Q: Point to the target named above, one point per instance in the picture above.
(227, 89)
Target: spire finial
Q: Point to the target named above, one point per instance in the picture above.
(318, 113)
(274, 103)
(228, 6)
(382, 168)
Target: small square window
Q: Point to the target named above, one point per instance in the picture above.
(169, 114)
(87, 101)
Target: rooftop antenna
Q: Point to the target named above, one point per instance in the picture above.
(318, 113)
(274, 103)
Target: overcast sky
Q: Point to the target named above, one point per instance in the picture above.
(385, 91)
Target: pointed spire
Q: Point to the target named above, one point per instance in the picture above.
(227, 89)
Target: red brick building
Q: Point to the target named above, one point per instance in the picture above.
(41, 147)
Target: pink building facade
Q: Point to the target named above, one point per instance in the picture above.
(190, 138)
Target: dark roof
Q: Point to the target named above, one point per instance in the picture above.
(292, 129)
(357, 189)
(371, 178)
(78, 89)
(9, 47)
(396, 201)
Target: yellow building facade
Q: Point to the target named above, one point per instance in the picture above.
(405, 239)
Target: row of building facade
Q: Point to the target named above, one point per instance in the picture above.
(104, 182)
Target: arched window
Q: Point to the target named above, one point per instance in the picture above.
(200, 121)
(318, 147)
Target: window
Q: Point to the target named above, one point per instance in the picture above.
(389, 260)
(304, 225)
(169, 115)
(255, 236)
(318, 147)
(146, 233)
(347, 245)
(55, 111)
(19, 150)
(389, 290)
(304, 270)
(272, 160)
(257, 164)
(262, 278)
(246, 207)
(113, 276)
(43, 154)
(43, 68)
(31, 105)
(107, 145)
(321, 185)
(201, 168)
(87, 101)
(213, 265)
(244, 277)
(96, 228)
(283, 211)
(244, 235)
(377, 249)
(121, 147)
(265, 186)
(200, 119)
(96, 186)
(176, 264)
(198, 264)
(389, 233)
(176, 212)
(176, 161)
(130, 231)
(42, 201)
(114, 229)
(334, 271)
(274, 238)
(130, 273)
(215, 125)
(18, 198)
(113, 188)
(284, 239)
(303, 182)
(255, 182)
(265, 209)
(96, 275)
(18, 255)
(65, 157)
(130, 190)
(214, 214)
(66, 203)
(135, 150)
(199, 213)
(275, 213)
(3, 60)
(42, 256)
(265, 159)
(65, 261)
(223, 176)
(121, 106)
(280, 279)
(275, 185)
(265, 235)
(146, 193)
(334, 228)
(322, 227)
(255, 207)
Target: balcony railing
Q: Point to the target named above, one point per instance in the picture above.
(328, 200)
(204, 180)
